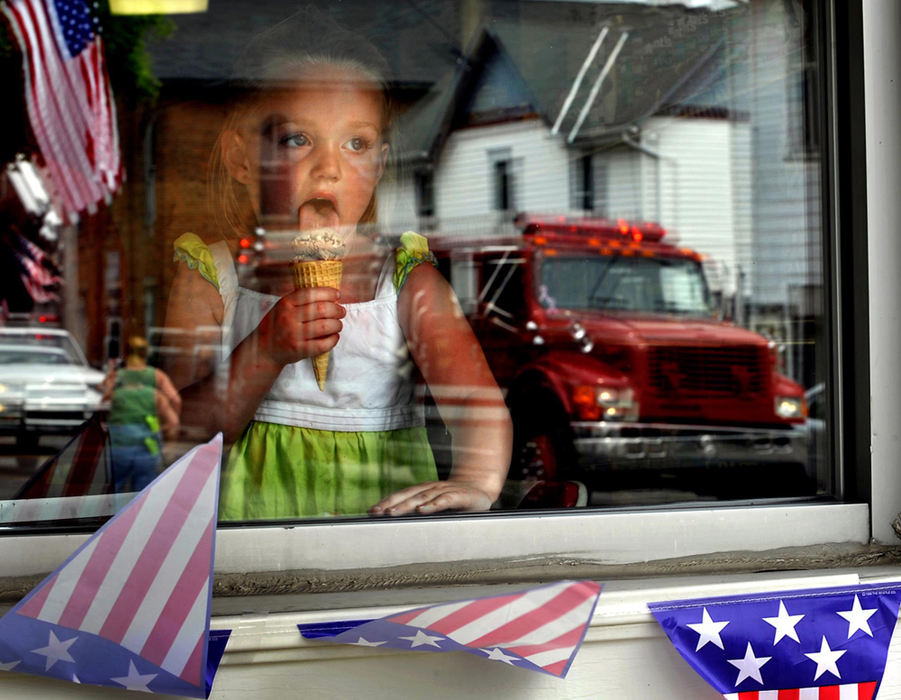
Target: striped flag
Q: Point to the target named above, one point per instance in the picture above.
(69, 100)
(539, 629)
(37, 271)
(81, 468)
(815, 644)
(131, 607)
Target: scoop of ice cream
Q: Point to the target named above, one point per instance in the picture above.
(322, 244)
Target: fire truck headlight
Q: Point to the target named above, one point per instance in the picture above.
(789, 407)
(603, 403)
(617, 404)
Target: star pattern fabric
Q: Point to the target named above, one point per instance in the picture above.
(539, 629)
(130, 607)
(708, 630)
(748, 647)
(784, 624)
(56, 650)
(135, 680)
(857, 618)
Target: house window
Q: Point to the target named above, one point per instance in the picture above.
(583, 177)
(425, 194)
(616, 370)
(503, 185)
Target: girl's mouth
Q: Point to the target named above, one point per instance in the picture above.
(318, 212)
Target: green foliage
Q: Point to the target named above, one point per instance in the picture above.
(128, 61)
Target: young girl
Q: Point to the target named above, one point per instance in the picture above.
(305, 150)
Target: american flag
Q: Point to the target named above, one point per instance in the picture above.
(131, 607)
(815, 644)
(80, 468)
(38, 273)
(69, 100)
(540, 629)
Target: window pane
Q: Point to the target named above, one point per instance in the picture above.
(623, 204)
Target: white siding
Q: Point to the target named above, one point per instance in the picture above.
(692, 178)
(464, 188)
(787, 248)
(397, 205)
(623, 180)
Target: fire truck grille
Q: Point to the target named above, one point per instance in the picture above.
(707, 372)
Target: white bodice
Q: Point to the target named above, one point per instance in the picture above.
(369, 385)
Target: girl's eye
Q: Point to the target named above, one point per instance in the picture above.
(357, 144)
(294, 141)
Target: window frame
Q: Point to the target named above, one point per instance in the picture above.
(861, 167)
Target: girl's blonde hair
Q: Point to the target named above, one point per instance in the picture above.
(305, 40)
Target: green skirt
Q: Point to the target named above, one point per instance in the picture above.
(281, 471)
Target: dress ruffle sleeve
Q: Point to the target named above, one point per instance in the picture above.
(190, 249)
(413, 251)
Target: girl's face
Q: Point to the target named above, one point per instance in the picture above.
(315, 152)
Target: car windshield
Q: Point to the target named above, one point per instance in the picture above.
(623, 283)
(10, 356)
(62, 347)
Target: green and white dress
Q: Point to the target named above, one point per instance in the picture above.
(335, 452)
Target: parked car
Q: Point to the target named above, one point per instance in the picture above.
(606, 342)
(46, 384)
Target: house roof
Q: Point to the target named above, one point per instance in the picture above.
(672, 60)
(525, 60)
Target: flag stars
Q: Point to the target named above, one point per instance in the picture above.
(749, 666)
(135, 680)
(708, 630)
(784, 624)
(56, 650)
(826, 659)
(858, 618)
(422, 639)
(497, 654)
(9, 665)
(363, 642)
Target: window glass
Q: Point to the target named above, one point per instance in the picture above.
(579, 247)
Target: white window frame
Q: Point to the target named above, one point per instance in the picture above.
(631, 536)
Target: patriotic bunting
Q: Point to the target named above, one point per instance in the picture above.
(131, 607)
(814, 644)
(68, 98)
(539, 629)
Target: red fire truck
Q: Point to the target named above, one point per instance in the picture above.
(604, 337)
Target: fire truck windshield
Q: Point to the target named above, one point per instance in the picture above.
(621, 283)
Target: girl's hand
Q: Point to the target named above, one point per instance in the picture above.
(432, 497)
(302, 324)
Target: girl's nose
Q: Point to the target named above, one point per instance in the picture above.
(327, 164)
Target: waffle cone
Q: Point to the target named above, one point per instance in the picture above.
(318, 273)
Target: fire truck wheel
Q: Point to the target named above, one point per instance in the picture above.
(542, 446)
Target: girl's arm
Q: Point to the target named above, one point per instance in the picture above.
(468, 399)
(193, 324)
(301, 324)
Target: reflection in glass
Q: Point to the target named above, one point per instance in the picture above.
(617, 283)
(645, 376)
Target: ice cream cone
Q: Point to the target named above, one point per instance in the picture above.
(318, 273)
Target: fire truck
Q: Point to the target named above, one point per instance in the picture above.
(614, 361)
